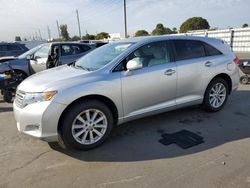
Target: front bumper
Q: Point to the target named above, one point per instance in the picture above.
(39, 120)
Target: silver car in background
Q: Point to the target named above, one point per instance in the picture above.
(46, 56)
(79, 104)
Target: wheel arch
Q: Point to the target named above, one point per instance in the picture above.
(226, 77)
(107, 101)
(22, 71)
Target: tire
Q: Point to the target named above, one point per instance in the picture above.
(7, 96)
(76, 129)
(209, 102)
(244, 80)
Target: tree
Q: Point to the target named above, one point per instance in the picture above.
(102, 35)
(195, 23)
(64, 31)
(18, 38)
(174, 30)
(245, 25)
(141, 33)
(161, 30)
(75, 38)
(88, 37)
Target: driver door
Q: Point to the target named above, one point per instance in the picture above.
(40, 58)
(152, 87)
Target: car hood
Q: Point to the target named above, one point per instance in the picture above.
(7, 58)
(52, 79)
(15, 63)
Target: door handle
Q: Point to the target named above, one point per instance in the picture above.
(208, 64)
(169, 72)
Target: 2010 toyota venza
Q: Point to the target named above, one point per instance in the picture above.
(79, 104)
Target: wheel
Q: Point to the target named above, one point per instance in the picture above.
(216, 95)
(244, 80)
(86, 125)
(7, 96)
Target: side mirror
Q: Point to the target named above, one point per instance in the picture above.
(134, 64)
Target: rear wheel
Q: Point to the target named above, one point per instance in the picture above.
(216, 95)
(86, 125)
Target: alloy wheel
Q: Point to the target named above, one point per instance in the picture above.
(217, 95)
(89, 126)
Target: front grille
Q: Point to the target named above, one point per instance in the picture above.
(19, 98)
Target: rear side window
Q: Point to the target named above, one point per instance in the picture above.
(73, 49)
(188, 49)
(210, 50)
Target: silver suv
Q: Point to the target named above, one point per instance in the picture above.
(79, 104)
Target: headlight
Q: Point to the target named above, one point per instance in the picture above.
(31, 98)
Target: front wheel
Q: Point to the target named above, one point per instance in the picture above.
(86, 125)
(7, 96)
(216, 95)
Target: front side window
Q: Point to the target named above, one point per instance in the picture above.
(149, 55)
(42, 52)
(100, 57)
(188, 49)
(30, 52)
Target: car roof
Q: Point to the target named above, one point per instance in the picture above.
(11, 43)
(168, 37)
(81, 43)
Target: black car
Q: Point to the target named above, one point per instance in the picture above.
(12, 49)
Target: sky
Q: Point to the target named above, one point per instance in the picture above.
(25, 17)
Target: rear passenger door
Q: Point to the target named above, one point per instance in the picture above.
(192, 65)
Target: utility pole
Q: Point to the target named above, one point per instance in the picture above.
(125, 19)
(49, 34)
(39, 31)
(79, 27)
(58, 29)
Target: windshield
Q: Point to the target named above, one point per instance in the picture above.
(32, 51)
(102, 56)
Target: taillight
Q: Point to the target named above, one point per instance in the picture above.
(236, 60)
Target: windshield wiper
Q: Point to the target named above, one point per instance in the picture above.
(83, 68)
